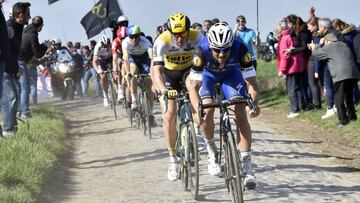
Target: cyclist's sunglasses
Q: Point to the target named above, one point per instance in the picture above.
(181, 34)
(224, 50)
(134, 36)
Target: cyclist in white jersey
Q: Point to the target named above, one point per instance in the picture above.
(102, 61)
(137, 54)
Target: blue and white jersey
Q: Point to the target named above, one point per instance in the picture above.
(239, 56)
(248, 36)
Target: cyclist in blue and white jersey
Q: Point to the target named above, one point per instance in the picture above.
(221, 57)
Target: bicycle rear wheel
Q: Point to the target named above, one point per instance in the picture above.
(233, 170)
(146, 110)
(192, 162)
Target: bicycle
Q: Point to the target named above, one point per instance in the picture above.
(186, 145)
(142, 113)
(111, 90)
(232, 169)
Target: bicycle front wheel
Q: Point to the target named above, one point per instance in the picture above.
(112, 95)
(234, 170)
(146, 109)
(192, 161)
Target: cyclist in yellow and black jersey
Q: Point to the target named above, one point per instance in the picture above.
(173, 57)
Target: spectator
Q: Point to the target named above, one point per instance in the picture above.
(301, 36)
(348, 33)
(5, 55)
(314, 65)
(206, 25)
(79, 66)
(344, 74)
(89, 71)
(10, 97)
(214, 21)
(325, 28)
(290, 67)
(247, 35)
(30, 48)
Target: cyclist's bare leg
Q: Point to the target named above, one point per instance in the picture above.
(169, 127)
(207, 125)
(150, 93)
(103, 83)
(193, 87)
(243, 128)
(125, 82)
(254, 92)
(133, 85)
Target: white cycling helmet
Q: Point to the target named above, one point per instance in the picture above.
(122, 18)
(56, 41)
(104, 40)
(220, 35)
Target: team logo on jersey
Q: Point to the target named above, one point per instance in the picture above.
(247, 58)
(189, 47)
(197, 61)
(180, 59)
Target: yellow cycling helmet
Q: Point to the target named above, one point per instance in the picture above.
(178, 23)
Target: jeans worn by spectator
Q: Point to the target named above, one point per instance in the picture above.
(293, 84)
(24, 91)
(33, 75)
(2, 67)
(329, 88)
(90, 72)
(9, 102)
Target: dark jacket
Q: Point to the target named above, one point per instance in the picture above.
(349, 34)
(301, 41)
(30, 45)
(5, 54)
(341, 62)
(356, 44)
(15, 45)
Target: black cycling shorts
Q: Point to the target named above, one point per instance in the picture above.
(175, 79)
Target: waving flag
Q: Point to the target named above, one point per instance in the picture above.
(52, 1)
(101, 16)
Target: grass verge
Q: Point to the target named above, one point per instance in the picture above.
(27, 159)
(273, 95)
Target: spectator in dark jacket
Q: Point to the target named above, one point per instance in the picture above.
(10, 98)
(5, 54)
(30, 47)
(344, 74)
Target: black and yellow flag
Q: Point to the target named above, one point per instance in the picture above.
(52, 1)
(101, 16)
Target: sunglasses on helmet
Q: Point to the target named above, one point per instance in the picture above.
(134, 36)
(223, 50)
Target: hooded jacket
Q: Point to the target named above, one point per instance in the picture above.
(30, 46)
(292, 64)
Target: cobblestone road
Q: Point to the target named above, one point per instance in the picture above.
(113, 162)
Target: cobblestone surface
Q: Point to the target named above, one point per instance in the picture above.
(113, 162)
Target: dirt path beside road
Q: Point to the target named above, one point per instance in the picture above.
(111, 161)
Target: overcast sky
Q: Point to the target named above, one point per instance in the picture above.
(62, 19)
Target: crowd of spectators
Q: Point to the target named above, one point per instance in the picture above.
(320, 54)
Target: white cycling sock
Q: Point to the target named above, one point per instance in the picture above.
(246, 161)
(120, 91)
(133, 97)
(197, 129)
(105, 94)
(173, 159)
(211, 147)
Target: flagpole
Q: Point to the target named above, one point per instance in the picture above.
(257, 15)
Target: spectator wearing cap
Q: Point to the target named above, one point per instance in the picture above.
(10, 97)
(344, 74)
(31, 51)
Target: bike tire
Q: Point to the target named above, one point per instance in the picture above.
(146, 110)
(70, 90)
(112, 99)
(234, 170)
(193, 163)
